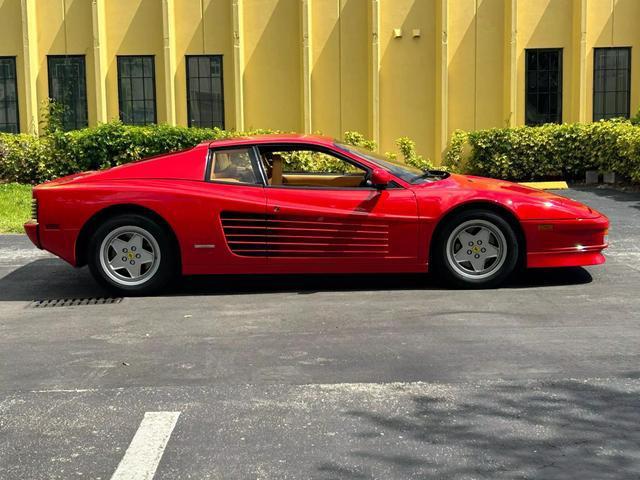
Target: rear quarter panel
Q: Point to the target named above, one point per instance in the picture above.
(191, 209)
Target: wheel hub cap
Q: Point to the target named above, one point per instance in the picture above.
(476, 249)
(130, 255)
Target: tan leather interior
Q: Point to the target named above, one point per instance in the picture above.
(223, 169)
(276, 170)
(322, 180)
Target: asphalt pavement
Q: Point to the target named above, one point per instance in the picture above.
(350, 377)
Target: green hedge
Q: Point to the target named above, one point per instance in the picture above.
(31, 159)
(549, 151)
(522, 153)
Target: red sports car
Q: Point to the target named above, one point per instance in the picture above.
(303, 204)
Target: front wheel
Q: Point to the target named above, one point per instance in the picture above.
(131, 254)
(476, 249)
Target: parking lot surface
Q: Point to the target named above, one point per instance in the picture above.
(351, 377)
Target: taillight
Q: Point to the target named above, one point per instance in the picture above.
(34, 209)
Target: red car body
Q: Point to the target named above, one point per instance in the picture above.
(396, 224)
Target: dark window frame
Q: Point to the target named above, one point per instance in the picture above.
(316, 148)
(15, 86)
(77, 125)
(255, 163)
(604, 92)
(153, 82)
(188, 77)
(560, 92)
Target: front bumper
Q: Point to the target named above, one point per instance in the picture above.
(33, 232)
(566, 243)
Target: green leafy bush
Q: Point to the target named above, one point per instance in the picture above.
(31, 159)
(548, 151)
(26, 159)
(408, 150)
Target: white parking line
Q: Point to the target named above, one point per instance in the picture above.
(141, 459)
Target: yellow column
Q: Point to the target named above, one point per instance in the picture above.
(100, 58)
(30, 53)
(306, 64)
(238, 63)
(580, 14)
(442, 79)
(375, 70)
(169, 40)
(511, 62)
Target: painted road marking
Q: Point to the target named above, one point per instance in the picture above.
(141, 459)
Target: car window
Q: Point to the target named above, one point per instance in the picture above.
(310, 168)
(233, 166)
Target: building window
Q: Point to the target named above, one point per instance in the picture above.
(137, 89)
(8, 96)
(543, 86)
(68, 88)
(205, 99)
(611, 83)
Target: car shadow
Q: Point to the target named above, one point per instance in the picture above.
(53, 279)
(556, 429)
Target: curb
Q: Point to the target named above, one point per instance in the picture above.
(546, 185)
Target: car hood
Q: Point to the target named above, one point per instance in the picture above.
(532, 202)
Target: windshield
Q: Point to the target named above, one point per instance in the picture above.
(401, 170)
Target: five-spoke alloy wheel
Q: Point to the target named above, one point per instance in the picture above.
(476, 248)
(131, 254)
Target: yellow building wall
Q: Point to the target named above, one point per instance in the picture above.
(134, 27)
(325, 63)
(11, 46)
(204, 28)
(546, 24)
(272, 54)
(407, 100)
(490, 64)
(64, 28)
(355, 55)
(614, 24)
(465, 69)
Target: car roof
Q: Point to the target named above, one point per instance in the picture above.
(271, 138)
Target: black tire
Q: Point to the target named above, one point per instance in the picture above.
(153, 279)
(463, 274)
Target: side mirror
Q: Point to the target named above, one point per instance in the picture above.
(380, 178)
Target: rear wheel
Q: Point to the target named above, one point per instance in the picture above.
(131, 254)
(476, 249)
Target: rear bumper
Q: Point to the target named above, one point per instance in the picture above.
(33, 232)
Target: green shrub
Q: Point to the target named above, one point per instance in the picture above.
(408, 150)
(548, 151)
(31, 159)
(27, 159)
(358, 140)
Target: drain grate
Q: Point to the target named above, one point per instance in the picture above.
(73, 302)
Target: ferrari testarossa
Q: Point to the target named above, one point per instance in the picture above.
(303, 204)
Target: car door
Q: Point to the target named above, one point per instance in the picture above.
(330, 219)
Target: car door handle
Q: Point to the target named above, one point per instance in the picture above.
(276, 209)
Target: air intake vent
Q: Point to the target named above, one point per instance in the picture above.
(297, 236)
(73, 302)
